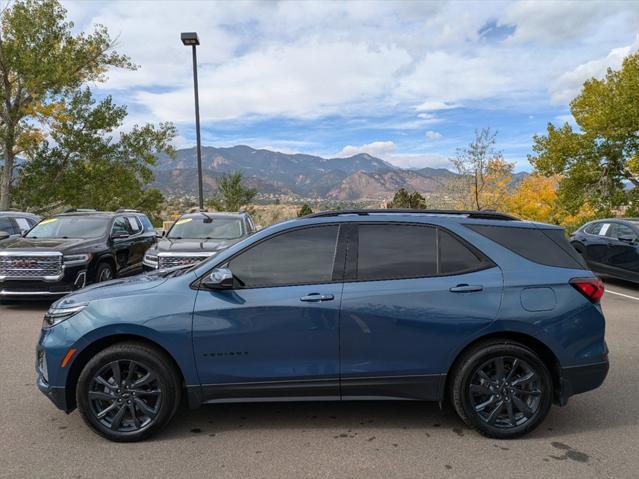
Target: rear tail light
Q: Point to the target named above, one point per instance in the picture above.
(591, 288)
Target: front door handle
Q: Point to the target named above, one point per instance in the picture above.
(316, 297)
(466, 288)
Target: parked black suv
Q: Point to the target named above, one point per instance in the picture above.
(610, 247)
(66, 251)
(197, 236)
(14, 223)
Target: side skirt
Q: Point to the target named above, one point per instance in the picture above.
(428, 387)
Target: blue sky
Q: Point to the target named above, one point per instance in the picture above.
(406, 81)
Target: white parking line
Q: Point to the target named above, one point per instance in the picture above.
(621, 294)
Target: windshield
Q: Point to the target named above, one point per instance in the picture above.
(70, 227)
(197, 228)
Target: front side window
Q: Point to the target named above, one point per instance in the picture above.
(201, 227)
(121, 225)
(623, 231)
(303, 256)
(7, 226)
(70, 227)
(393, 251)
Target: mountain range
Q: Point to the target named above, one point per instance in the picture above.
(355, 178)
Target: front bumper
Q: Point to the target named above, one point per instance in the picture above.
(579, 379)
(73, 278)
(57, 395)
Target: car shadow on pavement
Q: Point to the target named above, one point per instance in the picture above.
(33, 305)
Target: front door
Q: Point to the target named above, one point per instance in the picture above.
(409, 306)
(276, 332)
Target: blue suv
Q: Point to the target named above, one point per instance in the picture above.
(497, 316)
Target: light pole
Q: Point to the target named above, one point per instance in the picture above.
(191, 39)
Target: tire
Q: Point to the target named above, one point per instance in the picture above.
(146, 400)
(508, 408)
(104, 272)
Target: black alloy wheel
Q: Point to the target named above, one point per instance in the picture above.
(125, 396)
(505, 392)
(502, 389)
(128, 391)
(103, 273)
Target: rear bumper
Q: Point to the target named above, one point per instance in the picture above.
(579, 379)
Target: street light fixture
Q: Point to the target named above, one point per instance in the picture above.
(191, 39)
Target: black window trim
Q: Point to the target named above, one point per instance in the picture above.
(351, 274)
(339, 258)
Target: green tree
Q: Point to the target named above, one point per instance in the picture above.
(232, 193)
(599, 159)
(484, 177)
(41, 60)
(85, 165)
(404, 199)
(304, 210)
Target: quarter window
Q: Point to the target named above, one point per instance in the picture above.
(455, 257)
(303, 256)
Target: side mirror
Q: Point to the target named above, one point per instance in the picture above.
(4, 235)
(220, 278)
(627, 239)
(119, 235)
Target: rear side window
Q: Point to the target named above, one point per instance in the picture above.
(544, 246)
(146, 223)
(301, 256)
(394, 251)
(593, 229)
(6, 225)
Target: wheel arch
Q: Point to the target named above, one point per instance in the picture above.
(100, 344)
(545, 354)
(103, 258)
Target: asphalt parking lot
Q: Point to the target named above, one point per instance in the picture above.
(596, 435)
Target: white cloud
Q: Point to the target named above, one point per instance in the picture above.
(387, 151)
(434, 105)
(568, 85)
(433, 135)
(379, 149)
(306, 80)
(557, 21)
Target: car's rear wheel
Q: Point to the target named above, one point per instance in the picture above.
(502, 389)
(128, 392)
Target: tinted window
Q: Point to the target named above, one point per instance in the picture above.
(121, 225)
(624, 231)
(396, 251)
(593, 229)
(548, 246)
(7, 226)
(455, 257)
(23, 223)
(146, 223)
(297, 257)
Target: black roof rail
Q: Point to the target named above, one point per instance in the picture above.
(127, 210)
(80, 210)
(485, 215)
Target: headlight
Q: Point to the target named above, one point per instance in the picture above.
(76, 259)
(151, 260)
(59, 313)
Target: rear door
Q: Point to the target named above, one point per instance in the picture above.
(413, 294)
(597, 250)
(623, 256)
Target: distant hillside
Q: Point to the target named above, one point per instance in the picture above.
(356, 177)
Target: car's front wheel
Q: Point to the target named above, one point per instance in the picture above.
(128, 392)
(502, 389)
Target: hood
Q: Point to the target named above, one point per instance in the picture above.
(48, 244)
(166, 245)
(115, 288)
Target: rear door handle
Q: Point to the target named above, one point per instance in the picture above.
(466, 288)
(316, 297)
